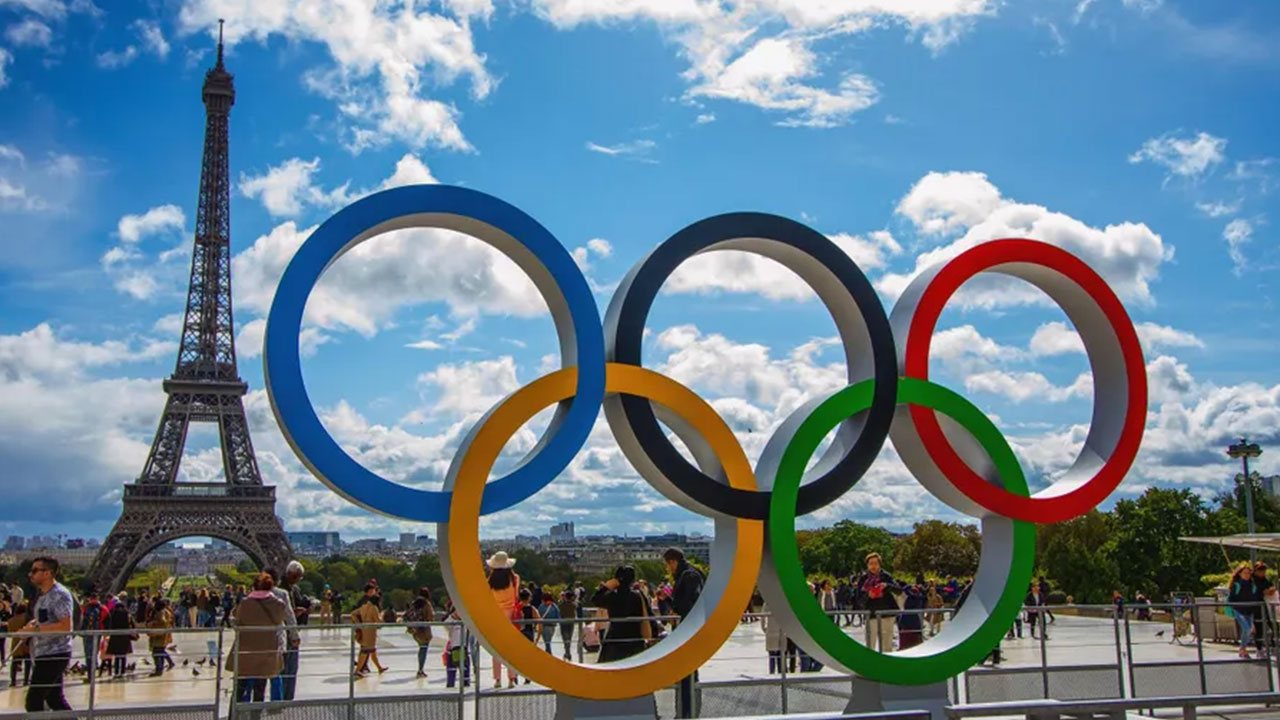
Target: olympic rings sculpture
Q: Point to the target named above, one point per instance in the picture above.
(945, 441)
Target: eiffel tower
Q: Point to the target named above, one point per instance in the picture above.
(205, 387)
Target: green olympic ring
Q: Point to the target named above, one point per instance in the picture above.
(959, 645)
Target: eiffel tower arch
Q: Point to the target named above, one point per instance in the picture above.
(205, 387)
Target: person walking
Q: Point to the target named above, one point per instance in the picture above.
(92, 616)
(160, 636)
(933, 601)
(326, 606)
(51, 646)
(550, 614)
(421, 611)
(1035, 603)
(911, 621)
(369, 613)
(19, 650)
(120, 644)
(686, 588)
(629, 627)
(505, 585)
(228, 605)
(300, 605)
(775, 641)
(456, 655)
(1242, 599)
(874, 591)
(288, 633)
(568, 608)
(258, 649)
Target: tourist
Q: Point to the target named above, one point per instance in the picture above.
(911, 621)
(505, 585)
(827, 599)
(326, 606)
(686, 588)
(421, 612)
(1142, 605)
(1044, 590)
(51, 647)
(844, 602)
(369, 613)
(91, 618)
(1242, 600)
(775, 641)
(19, 650)
(6, 612)
(141, 607)
(622, 602)
(874, 591)
(258, 653)
(228, 605)
(1035, 603)
(288, 632)
(160, 636)
(568, 608)
(456, 654)
(1263, 618)
(550, 614)
(933, 601)
(301, 607)
(120, 644)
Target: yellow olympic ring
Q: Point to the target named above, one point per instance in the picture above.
(666, 662)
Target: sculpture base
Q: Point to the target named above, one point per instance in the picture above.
(572, 708)
(872, 696)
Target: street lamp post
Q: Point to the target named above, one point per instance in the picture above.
(1245, 450)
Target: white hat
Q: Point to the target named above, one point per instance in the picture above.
(500, 560)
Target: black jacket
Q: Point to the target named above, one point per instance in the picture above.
(688, 587)
(885, 603)
(623, 638)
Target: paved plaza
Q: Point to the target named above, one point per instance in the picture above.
(326, 654)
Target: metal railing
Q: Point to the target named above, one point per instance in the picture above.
(1078, 653)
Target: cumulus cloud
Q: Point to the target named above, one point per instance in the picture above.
(287, 189)
(1187, 157)
(385, 60)
(1238, 233)
(163, 218)
(968, 205)
(30, 32)
(765, 53)
(130, 270)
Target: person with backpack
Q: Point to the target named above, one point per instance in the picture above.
(568, 608)
(421, 612)
(687, 582)
(550, 613)
(456, 654)
(160, 636)
(505, 585)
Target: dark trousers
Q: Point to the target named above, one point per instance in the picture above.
(118, 664)
(423, 651)
(19, 664)
(161, 658)
(289, 676)
(45, 691)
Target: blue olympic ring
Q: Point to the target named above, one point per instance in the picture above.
(508, 229)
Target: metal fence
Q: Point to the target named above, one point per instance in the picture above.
(1074, 653)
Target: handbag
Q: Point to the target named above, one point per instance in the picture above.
(646, 628)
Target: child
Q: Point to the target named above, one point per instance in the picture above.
(455, 653)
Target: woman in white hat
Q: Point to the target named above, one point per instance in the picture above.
(505, 584)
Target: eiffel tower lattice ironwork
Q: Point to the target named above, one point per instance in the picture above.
(205, 387)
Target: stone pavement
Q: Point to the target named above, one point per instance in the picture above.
(325, 661)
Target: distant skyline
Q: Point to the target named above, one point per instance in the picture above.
(1139, 134)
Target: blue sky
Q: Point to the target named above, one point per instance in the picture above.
(1138, 134)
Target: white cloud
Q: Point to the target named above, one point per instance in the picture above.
(640, 150)
(1128, 255)
(287, 189)
(943, 203)
(11, 153)
(959, 343)
(113, 59)
(152, 37)
(1055, 338)
(1218, 209)
(1188, 157)
(15, 197)
(1155, 337)
(595, 247)
(63, 165)
(160, 219)
(470, 388)
(704, 118)
(763, 52)
(52, 9)
(385, 59)
(40, 353)
(1238, 233)
(253, 334)
(6, 57)
(30, 32)
(1024, 386)
(736, 271)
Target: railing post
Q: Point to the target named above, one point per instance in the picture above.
(351, 674)
(1204, 681)
(782, 663)
(458, 670)
(1128, 645)
(1115, 621)
(92, 661)
(474, 660)
(1044, 653)
(235, 672)
(217, 678)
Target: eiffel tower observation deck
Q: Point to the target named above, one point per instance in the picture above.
(205, 387)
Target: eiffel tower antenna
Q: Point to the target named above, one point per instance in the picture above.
(205, 387)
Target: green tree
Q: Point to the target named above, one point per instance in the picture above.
(1078, 555)
(839, 550)
(1266, 508)
(1148, 555)
(945, 549)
